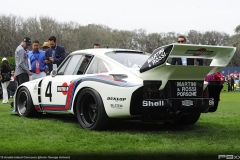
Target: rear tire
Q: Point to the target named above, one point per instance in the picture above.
(90, 110)
(24, 104)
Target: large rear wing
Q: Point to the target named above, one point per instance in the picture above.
(220, 55)
(157, 68)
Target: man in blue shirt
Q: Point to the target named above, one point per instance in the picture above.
(54, 55)
(37, 58)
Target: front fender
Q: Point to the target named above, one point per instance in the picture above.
(32, 86)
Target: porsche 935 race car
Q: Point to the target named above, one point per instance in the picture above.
(102, 85)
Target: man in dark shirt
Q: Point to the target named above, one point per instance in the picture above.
(176, 60)
(54, 55)
(180, 61)
(185, 61)
(190, 61)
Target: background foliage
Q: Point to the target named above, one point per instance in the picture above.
(74, 36)
(11, 61)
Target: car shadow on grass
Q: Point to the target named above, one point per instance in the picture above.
(62, 117)
(69, 118)
(136, 125)
(199, 129)
(132, 125)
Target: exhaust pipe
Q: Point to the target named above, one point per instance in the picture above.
(178, 113)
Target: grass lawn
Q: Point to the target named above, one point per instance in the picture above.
(60, 135)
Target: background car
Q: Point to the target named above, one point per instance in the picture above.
(100, 86)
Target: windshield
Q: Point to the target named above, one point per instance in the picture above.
(131, 60)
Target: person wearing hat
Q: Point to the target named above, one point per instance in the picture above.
(6, 77)
(45, 46)
(22, 62)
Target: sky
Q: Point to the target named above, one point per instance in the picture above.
(158, 16)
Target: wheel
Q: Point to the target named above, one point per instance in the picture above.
(90, 110)
(186, 119)
(24, 103)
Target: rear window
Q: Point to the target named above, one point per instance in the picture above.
(130, 59)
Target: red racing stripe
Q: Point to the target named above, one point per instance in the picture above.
(69, 95)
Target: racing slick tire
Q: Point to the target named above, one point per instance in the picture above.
(186, 119)
(24, 103)
(90, 110)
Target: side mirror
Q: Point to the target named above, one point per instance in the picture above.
(53, 73)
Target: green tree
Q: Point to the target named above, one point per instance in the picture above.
(11, 61)
(237, 29)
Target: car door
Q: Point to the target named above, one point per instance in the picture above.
(54, 89)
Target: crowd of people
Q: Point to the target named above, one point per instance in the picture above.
(229, 80)
(31, 64)
(37, 63)
(232, 85)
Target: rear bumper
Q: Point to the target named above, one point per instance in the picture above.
(183, 96)
(185, 105)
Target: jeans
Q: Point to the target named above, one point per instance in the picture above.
(5, 92)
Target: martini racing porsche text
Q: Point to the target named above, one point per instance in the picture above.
(186, 89)
(157, 57)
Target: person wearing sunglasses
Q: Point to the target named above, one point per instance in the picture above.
(180, 61)
(21, 60)
(188, 61)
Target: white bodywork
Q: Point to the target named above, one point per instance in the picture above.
(115, 94)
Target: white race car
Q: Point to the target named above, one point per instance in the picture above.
(101, 85)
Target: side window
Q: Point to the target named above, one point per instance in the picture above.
(63, 67)
(102, 66)
(82, 67)
(70, 65)
(98, 66)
